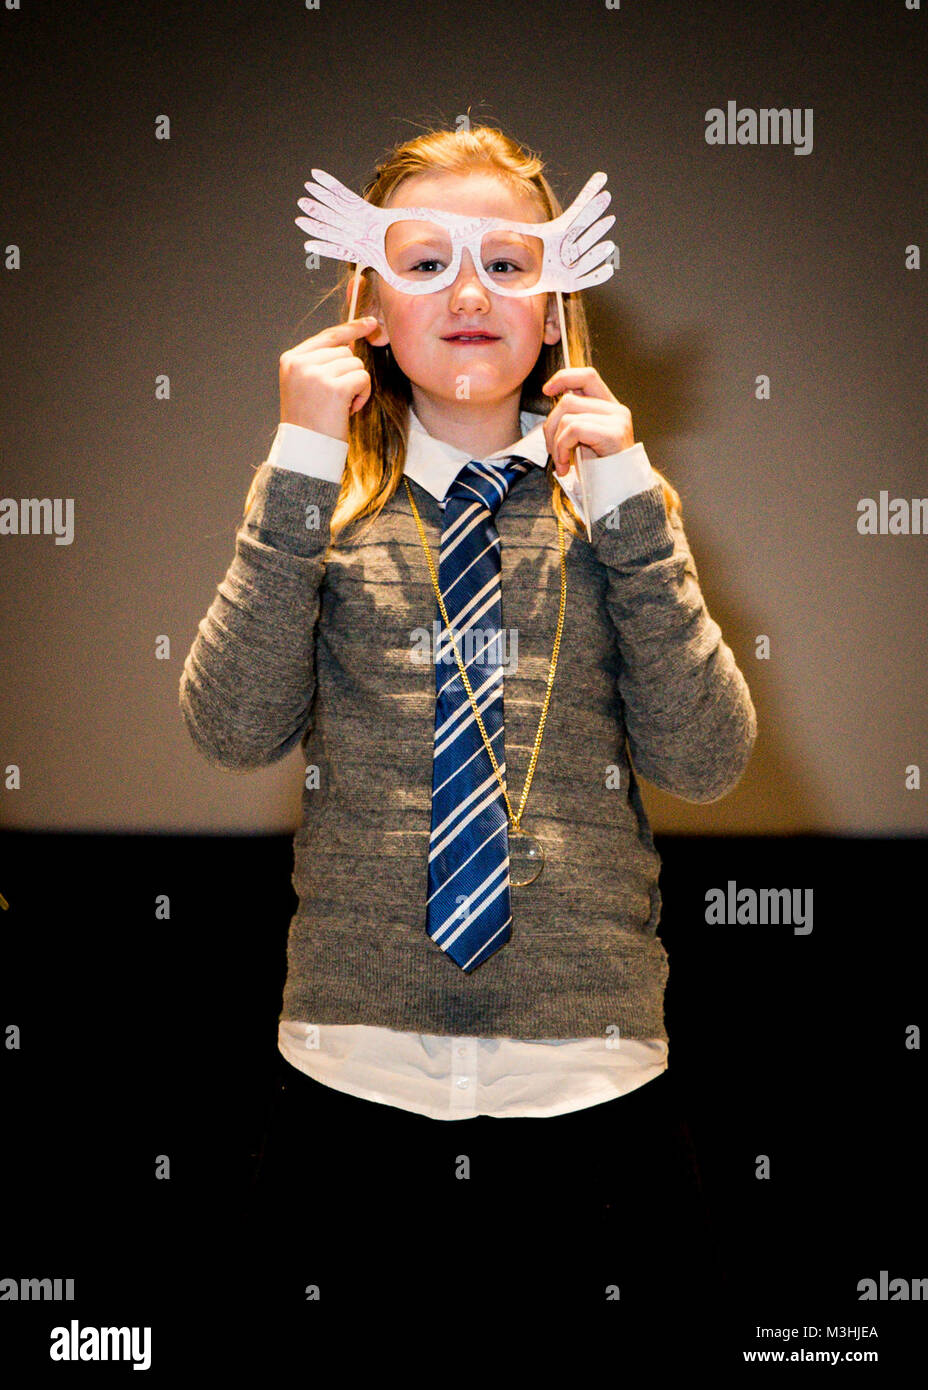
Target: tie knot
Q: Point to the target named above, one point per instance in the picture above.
(487, 483)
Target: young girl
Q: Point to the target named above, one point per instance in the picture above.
(447, 960)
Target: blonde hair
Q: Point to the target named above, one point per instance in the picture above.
(377, 433)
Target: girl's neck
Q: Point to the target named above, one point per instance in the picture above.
(480, 429)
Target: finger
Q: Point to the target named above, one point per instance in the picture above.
(338, 333)
(361, 399)
(348, 367)
(579, 379)
(322, 356)
(570, 404)
(562, 467)
(359, 384)
(592, 431)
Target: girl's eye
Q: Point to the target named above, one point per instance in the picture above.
(431, 265)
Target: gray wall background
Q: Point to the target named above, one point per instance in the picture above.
(144, 256)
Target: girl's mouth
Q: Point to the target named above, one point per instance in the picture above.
(471, 338)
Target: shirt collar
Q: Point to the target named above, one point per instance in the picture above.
(434, 465)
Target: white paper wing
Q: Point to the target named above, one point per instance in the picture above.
(581, 259)
(340, 223)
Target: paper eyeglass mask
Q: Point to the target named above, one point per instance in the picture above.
(564, 254)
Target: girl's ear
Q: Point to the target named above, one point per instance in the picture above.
(552, 332)
(378, 338)
(371, 305)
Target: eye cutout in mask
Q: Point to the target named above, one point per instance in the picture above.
(418, 250)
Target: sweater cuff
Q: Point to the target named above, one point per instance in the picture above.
(291, 511)
(635, 532)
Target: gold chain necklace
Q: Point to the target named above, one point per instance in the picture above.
(529, 858)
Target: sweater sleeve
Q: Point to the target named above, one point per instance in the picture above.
(247, 687)
(689, 717)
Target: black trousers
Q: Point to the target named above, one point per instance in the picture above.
(610, 1196)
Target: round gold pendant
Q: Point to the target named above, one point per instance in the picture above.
(526, 858)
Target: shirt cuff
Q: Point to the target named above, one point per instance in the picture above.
(610, 480)
(307, 451)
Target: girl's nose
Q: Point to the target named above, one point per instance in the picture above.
(468, 284)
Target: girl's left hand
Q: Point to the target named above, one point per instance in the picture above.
(588, 413)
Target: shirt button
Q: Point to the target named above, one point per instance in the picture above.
(461, 1051)
(463, 1083)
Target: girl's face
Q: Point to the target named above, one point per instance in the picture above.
(418, 327)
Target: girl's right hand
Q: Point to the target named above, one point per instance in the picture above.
(322, 383)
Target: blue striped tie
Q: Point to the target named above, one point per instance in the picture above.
(468, 912)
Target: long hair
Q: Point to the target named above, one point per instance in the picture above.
(377, 433)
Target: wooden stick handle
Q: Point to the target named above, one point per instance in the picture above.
(578, 456)
(354, 292)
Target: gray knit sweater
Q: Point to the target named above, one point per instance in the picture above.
(300, 649)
